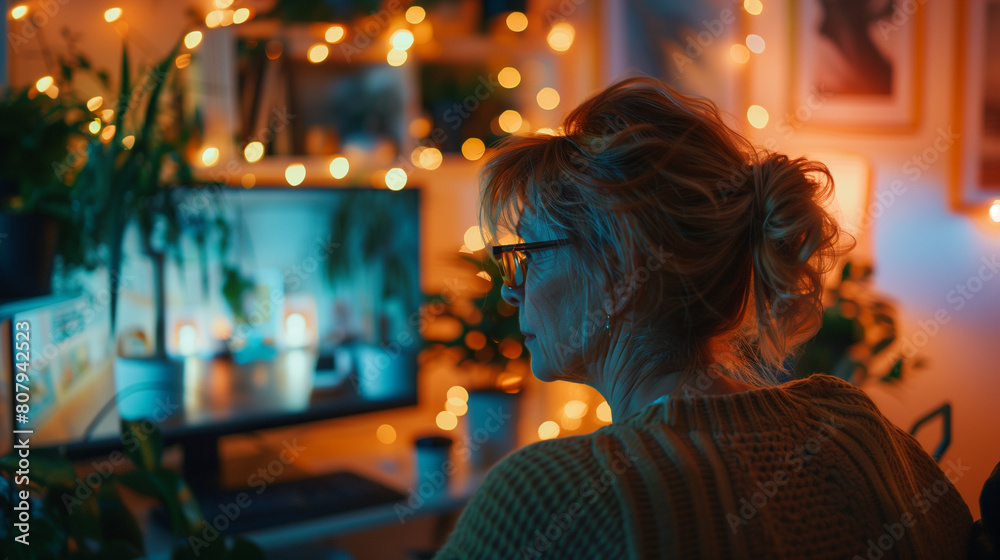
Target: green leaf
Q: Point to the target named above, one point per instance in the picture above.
(896, 373)
(882, 344)
(144, 449)
(117, 521)
(142, 482)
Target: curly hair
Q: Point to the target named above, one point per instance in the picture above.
(719, 249)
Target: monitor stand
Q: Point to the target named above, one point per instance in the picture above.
(274, 492)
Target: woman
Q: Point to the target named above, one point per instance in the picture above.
(672, 267)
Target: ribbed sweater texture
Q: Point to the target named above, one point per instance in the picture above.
(805, 470)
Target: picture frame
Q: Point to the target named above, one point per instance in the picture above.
(976, 179)
(856, 65)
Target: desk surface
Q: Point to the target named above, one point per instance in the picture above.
(388, 466)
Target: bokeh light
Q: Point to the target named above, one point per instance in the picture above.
(318, 53)
(386, 434)
(755, 43)
(509, 77)
(604, 412)
(757, 116)
(510, 120)
(339, 167)
(560, 37)
(446, 420)
(547, 98)
(473, 149)
(548, 430)
(335, 34)
(575, 409)
(210, 156)
(192, 39)
(253, 152)
(396, 57)
(739, 53)
(517, 21)
(415, 14)
(402, 39)
(395, 178)
(295, 174)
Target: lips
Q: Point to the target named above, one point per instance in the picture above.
(527, 336)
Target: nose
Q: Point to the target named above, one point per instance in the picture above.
(513, 296)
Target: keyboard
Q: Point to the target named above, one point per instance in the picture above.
(260, 506)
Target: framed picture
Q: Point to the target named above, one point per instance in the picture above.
(856, 64)
(977, 104)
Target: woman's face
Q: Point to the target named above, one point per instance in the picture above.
(550, 309)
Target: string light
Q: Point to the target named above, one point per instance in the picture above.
(517, 22)
(339, 167)
(19, 12)
(253, 152)
(210, 156)
(510, 121)
(241, 15)
(739, 53)
(335, 34)
(44, 83)
(509, 77)
(757, 116)
(396, 57)
(192, 39)
(755, 43)
(395, 178)
(402, 39)
(547, 98)
(473, 149)
(112, 15)
(318, 53)
(295, 174)
(548, 430)
(561, 36)
(415, 14)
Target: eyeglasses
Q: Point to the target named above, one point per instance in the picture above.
(512, 259)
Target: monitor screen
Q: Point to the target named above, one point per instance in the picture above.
(281, 305)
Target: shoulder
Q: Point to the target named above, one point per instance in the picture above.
(546, 497)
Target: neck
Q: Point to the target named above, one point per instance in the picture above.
(626, 385)
(629, 386)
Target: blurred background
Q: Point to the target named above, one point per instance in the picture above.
(186, 159)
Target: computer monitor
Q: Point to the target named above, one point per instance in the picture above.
(298, 304)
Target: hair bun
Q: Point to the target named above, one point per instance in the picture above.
(795, 241)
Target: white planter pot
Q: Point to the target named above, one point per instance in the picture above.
(149, 388)
(382, 374)
(492, 426)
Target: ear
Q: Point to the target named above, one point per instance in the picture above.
(617, 294)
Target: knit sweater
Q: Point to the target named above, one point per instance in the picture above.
(808, 469)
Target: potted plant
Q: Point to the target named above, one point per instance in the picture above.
(491, 355)
(36, 213)
(858, 333)
(75, 518)
(127, 181)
